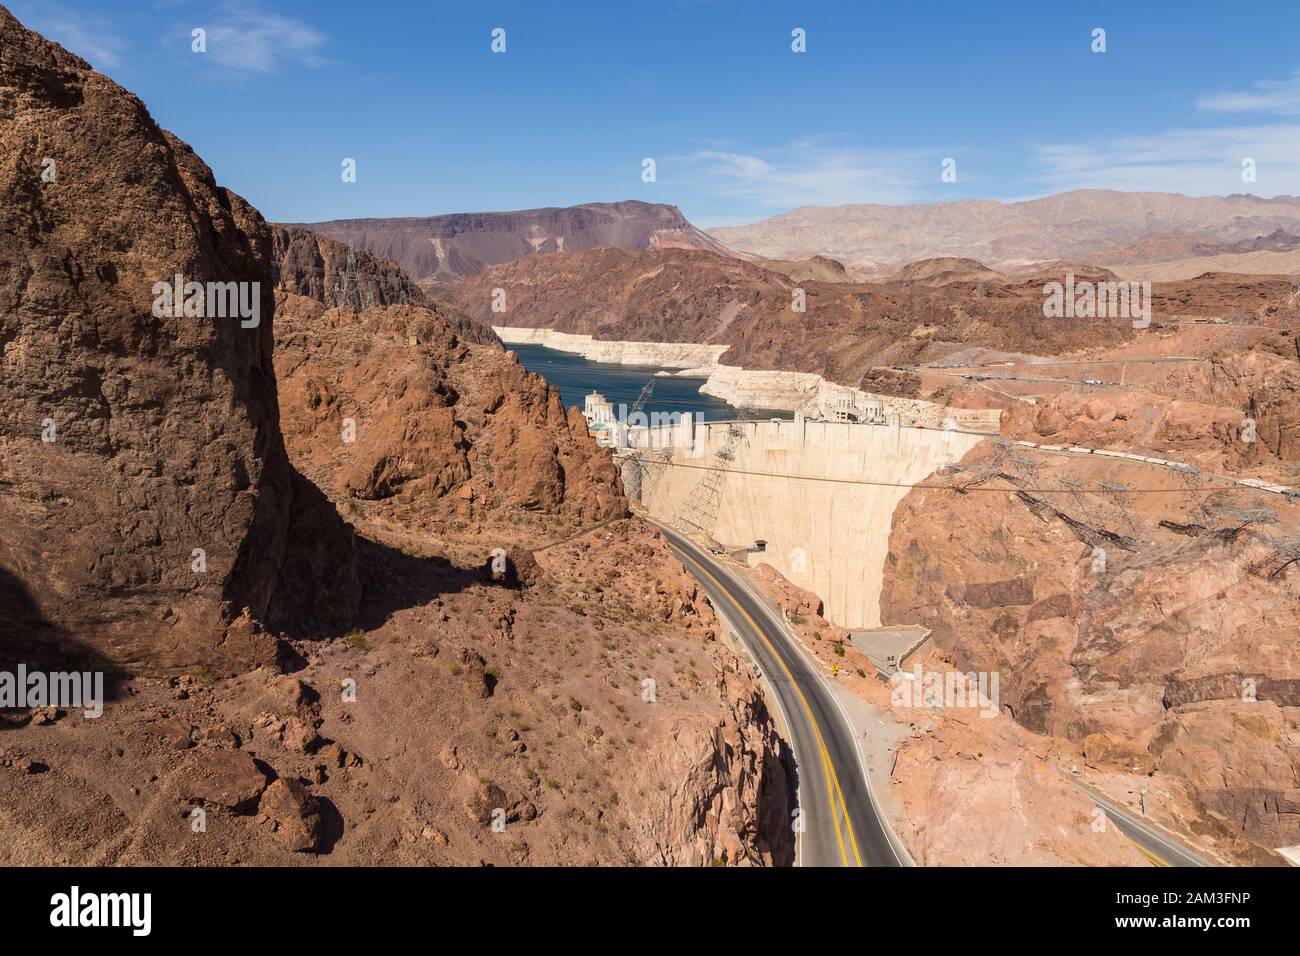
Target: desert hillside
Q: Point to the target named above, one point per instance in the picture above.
(1085, 225)
(849, 332)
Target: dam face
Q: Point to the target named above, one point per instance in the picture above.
(800, 487)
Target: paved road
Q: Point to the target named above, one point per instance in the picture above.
(841, 825)
(1161, 850)
(1149, 360)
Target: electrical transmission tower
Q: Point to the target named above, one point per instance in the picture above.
(634, 472)
(1121, 497)
(646, 391)
(653, 470)
(349, 289)
(1074, 488)
(1193, 482)
(699, 513)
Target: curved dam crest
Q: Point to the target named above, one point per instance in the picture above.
(798, 486)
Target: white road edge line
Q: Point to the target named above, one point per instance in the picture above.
(785, 718)
(1138, 825)
(892, 838)
(895, 844)
(1109, 806)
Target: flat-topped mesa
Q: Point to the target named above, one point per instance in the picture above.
(450, 247)
(146, 500)
(1094, 225)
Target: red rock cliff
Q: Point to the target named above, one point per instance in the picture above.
(166, 436)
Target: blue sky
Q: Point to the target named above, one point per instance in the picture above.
(740, 126)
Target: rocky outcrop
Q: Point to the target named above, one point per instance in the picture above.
(1158, 651)
(146, 499)
(732, 807)
(392, 406)
(336, 275)
(1262, 383)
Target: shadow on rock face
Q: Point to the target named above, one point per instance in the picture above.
(393, 580)
(316, 588)
(28, 637)
(520, 570)
(332, 825)
(778, 795)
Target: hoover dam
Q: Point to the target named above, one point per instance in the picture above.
(819, 494)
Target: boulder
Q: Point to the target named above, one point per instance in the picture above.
(224, 779)
(294, 815)
(482, 800)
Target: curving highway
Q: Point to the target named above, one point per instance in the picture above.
(840, 824)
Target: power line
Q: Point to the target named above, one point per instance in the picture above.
(901, 484)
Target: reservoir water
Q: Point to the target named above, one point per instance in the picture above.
(574, 376)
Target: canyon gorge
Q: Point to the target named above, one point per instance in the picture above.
(366, 591)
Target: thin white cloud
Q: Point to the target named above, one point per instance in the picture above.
(742, 166)
(1281, 97)
(806, 173)
(91, 38)
(260, 42)
(1192, 161)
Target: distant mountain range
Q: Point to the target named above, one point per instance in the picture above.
(1138, 235)
(1102, 226)
(450, 247)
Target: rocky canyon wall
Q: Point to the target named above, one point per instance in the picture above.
(1154, 628)
(141, 447)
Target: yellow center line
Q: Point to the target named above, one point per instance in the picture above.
(1155, 860)
(852, 842)
(830, 799)
(833, 778)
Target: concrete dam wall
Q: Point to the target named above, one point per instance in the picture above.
(800, 487)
